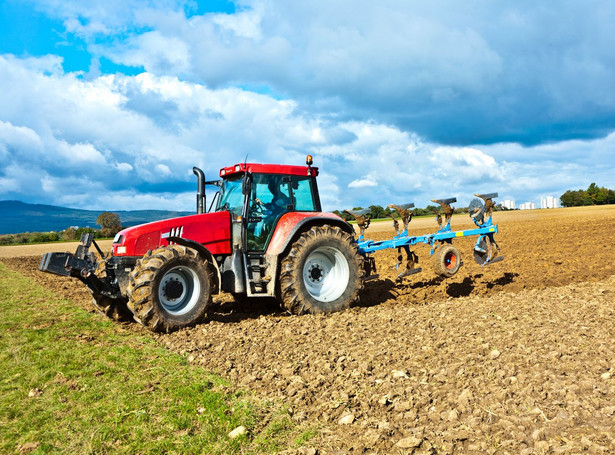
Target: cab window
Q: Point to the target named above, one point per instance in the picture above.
(303, 195)
(269, 199)
(231, 197)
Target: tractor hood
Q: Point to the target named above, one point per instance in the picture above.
(212, 230)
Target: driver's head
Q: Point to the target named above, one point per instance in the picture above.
(274, 185)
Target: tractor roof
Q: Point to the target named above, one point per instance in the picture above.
(268, 169)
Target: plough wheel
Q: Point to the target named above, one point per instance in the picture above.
(115, 309)
(446, 261)
(170, 288)
(322, 273)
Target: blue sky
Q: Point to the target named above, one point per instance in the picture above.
(108, 104)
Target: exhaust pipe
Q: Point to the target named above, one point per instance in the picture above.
(200, 193)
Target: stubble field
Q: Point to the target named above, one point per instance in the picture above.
(517, 357)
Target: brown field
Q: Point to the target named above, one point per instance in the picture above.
(517, 357)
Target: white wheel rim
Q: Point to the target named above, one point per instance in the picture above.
(179, 290)
(326, 274)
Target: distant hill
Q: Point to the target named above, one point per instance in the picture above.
(17, 217)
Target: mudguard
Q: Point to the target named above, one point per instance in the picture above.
(292, 223)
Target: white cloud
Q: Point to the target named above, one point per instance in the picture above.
(156, 52)
(14, 139)
(80, 153)
(163, 169)
(367, 181)
(455, 73)
(8, 185)
(123, 167)
(243, 24)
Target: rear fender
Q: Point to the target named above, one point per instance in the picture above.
(292, 224)
(203, 252)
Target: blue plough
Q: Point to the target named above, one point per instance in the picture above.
(447, 259)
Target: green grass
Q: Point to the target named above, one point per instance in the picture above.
(72, 382)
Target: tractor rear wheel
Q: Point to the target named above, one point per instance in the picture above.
(170, 288)
(322, 273)
(446, 261)
(115, 309)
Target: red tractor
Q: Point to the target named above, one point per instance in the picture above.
(266, 236)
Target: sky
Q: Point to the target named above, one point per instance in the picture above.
(107, 105)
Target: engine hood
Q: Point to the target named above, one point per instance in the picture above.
(212, 230)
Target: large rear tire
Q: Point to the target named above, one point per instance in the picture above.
(322, 273)
(170, 288)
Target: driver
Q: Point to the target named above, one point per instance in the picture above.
(279, 202)
(269, 211)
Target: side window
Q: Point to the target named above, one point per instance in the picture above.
(231, 197)
(269, 199)
(302, 190)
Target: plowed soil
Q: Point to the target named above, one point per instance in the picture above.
(516, 357)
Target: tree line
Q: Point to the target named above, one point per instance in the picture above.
(110, 225)
(593, 195)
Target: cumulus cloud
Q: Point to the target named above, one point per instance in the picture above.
(367, 181)
(455, 73)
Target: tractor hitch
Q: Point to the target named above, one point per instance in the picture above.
(80, 265)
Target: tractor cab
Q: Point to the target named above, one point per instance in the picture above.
(259, 195)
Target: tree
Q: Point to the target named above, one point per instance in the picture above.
(376, 212)
(343, 215)
(110, 223)
(575, 198)
(69, 233)
(594, 195)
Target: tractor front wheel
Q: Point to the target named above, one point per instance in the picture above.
(322, 273)
(114, 309)
(170, 288)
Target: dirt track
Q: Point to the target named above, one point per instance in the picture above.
(518, 357)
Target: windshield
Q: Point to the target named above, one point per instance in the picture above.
(231, 197)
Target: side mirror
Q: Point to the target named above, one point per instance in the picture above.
(247, 183)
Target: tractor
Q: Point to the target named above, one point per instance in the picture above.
(265, 235)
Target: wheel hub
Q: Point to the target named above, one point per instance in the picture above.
(179, 290)
(316, 273)
(326, 274)
(174, 289)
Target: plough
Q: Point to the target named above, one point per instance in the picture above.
(447, 258)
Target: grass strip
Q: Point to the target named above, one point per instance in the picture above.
(72, 382)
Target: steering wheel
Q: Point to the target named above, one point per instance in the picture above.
(257, 208)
